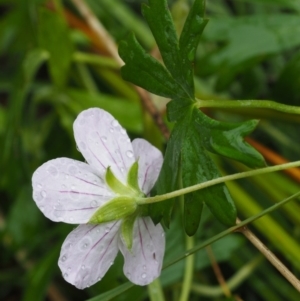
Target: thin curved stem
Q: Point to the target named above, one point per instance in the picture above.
(233, 229)
(241, 175)
(254, 104)
(272, 258)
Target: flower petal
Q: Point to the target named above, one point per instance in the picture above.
(150, 161)
(103, 142)
(144, 261)
(68, 190)
(88, 252)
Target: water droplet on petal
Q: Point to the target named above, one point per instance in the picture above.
(107, 229)
(42, 208)
(111, 263)
(129, 154)
(144, 267)
(162, 234)
(123, 132)
(37, 196)
(73, 187)
(104, 138)
(94, 203)
(65, 275)
(85, 243)
(59, 211)
(39, 186)
(144, 275)
(115, 123)
(63, 186)
(128, 275)
(64, 258)
(43, 193)
(83, 267)
(111, 130)
(122, 169)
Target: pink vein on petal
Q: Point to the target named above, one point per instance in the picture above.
(97, 157)
(79, 192)
(141, 240)
(121, 155)
(147, 229)
(86, 181)
(146, 174)
(108, 151)
(100, 241)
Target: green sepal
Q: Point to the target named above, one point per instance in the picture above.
(117, 186)
(127, 230)
(115, 209)
(132, 177)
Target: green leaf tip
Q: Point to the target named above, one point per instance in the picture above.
(175, 80)
(117, 208)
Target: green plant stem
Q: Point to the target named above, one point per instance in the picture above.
(241, 175)
(188, 272)
(254, 104)
(94, 59)
(233, 229)
(189, 261)
(155, 291)
(272, 258)
(86, 78)
(236, 280)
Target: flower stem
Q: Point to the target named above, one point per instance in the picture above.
(236, 280)
(94, 59)
(241, 175)
(189, 261)
(188, 272)
(254, 104)
(155, 291)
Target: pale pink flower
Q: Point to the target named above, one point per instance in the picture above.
(70, 191)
